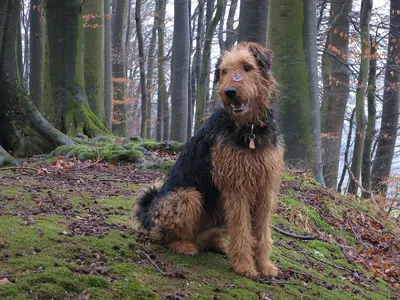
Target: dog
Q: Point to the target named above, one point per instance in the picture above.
(226, 178)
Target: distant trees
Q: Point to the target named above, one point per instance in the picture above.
(94, 65)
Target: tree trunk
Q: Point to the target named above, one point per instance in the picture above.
(162, 100)
(365, 15)
(66, 70)
(370, 132)
(108, 84)
(197, 55)
(24, 131)
(294, 103)
(143, 92)
(346, 152)
(335, 78)
(203, 82)
(231, 36)
(180, 71)
(150, 71)
(310, 50)
(19, 50)
(391, 103)
(253, 21)
(119, 46)
(36, 52)
(94, 56)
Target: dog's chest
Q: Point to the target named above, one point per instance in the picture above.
(236, 169)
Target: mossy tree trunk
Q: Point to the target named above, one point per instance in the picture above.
(93, 11)
(36, 52)
(162, 130)
(119, 47)
(391, 105)
(335, 78)
(204, 72)
(370, 132)
(108, 85)
(365, 19)
(180, 72)
(24, 131)
(294, 103)
(65, 39)
(310, 51)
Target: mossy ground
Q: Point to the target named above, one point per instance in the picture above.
(67, 235)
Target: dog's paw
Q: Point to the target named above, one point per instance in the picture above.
(268, 269)
(184, 247)
(246, 271)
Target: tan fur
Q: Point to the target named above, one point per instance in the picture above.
(248, 199)
(183, 247)
(178, 213)
(248, 179)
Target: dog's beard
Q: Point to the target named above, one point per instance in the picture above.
(245, 112)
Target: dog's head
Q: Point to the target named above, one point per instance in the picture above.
(245, 83)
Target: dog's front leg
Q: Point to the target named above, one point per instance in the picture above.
(262, 233)
(238, 225)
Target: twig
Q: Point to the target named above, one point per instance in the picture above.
(152, 261)
(277, 282)
(293, 235)
(18, 168)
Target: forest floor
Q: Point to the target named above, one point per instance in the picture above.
(65, 233)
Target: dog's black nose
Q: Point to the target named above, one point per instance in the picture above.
(230, 92)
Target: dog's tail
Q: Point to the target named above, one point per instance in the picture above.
(143, 203)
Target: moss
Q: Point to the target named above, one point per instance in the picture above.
(164, 165)
(133, 156)
(150, 145)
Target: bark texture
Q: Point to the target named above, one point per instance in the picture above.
(370, 132)
(120, 26)
(391, 105)
(253, 21)
(204, 72)
(36, 52)
(294, 102)
(24, 131)
(335, 78)
(68, 103)
(94, 56)
(162, 101)
(365, 15)
(180, 71)
(310, 51)
(108, 85)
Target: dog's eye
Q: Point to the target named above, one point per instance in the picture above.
(246, 68)
(224, 71)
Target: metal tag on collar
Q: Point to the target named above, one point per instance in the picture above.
(252, 136)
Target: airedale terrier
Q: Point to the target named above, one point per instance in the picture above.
(226, 179)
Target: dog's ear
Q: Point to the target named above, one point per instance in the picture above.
(217, 70)
(263, 57)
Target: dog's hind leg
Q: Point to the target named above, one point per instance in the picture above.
(176, 220)
(212, 239)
